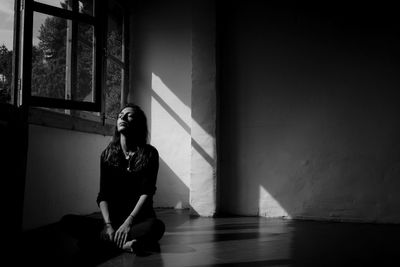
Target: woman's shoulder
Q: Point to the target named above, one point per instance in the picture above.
(151, 150)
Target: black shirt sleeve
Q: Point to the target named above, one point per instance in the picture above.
(148, 186)
(102, 195)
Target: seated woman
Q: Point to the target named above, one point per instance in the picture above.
(128, 175)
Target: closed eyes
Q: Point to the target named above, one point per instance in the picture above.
(121, 115)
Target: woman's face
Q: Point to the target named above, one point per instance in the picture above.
(125, 119)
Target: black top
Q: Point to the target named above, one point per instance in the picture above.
(122, 188)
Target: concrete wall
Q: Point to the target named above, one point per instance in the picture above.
(161, 84)
(309, 108)
(63, 169)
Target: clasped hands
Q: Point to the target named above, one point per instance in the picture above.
(118, 237)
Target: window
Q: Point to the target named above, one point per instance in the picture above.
(73, 62)
(6, 50)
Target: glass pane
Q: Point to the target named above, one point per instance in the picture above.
(114, 35)
(62, 58)
(85, 60)
(49, 56)
(6, 48)
(113, 89)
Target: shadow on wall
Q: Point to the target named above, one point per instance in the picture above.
(309, 99)
(171, 191)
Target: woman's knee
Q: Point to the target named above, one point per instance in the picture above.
(155, 228)
(158, 228)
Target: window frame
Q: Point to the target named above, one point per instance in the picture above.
(29, 8)
(38, 116)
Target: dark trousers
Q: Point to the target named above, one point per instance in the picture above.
(87, 230)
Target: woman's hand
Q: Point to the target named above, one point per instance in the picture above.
(108, 233)
(122, 233)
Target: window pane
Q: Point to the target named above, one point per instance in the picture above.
(114, 35)
(62, 59)
(49, 56)
(113, 89)
(85, 60)
(6, 49)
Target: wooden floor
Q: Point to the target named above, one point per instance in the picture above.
(239, 241)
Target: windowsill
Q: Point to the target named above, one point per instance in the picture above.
(62, 121)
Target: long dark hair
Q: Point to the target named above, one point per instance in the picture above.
(139, 135)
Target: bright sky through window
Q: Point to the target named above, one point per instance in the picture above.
(6, 23)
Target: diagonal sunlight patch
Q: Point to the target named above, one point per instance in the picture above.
(170, 131)
(172, 128)
(268, 206)
(171, 99)
(182, 114)
(169, 138)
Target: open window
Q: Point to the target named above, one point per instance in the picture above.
(72, 62)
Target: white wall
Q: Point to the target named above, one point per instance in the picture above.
(63, 170)
(161, 84)
(309, 110)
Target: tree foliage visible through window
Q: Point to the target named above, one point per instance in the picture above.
(5, 74)
(49, 59)
(49, 62)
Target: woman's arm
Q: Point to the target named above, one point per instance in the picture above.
(108, 231)
(122, 233)
(104, 211)
(137, 208)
